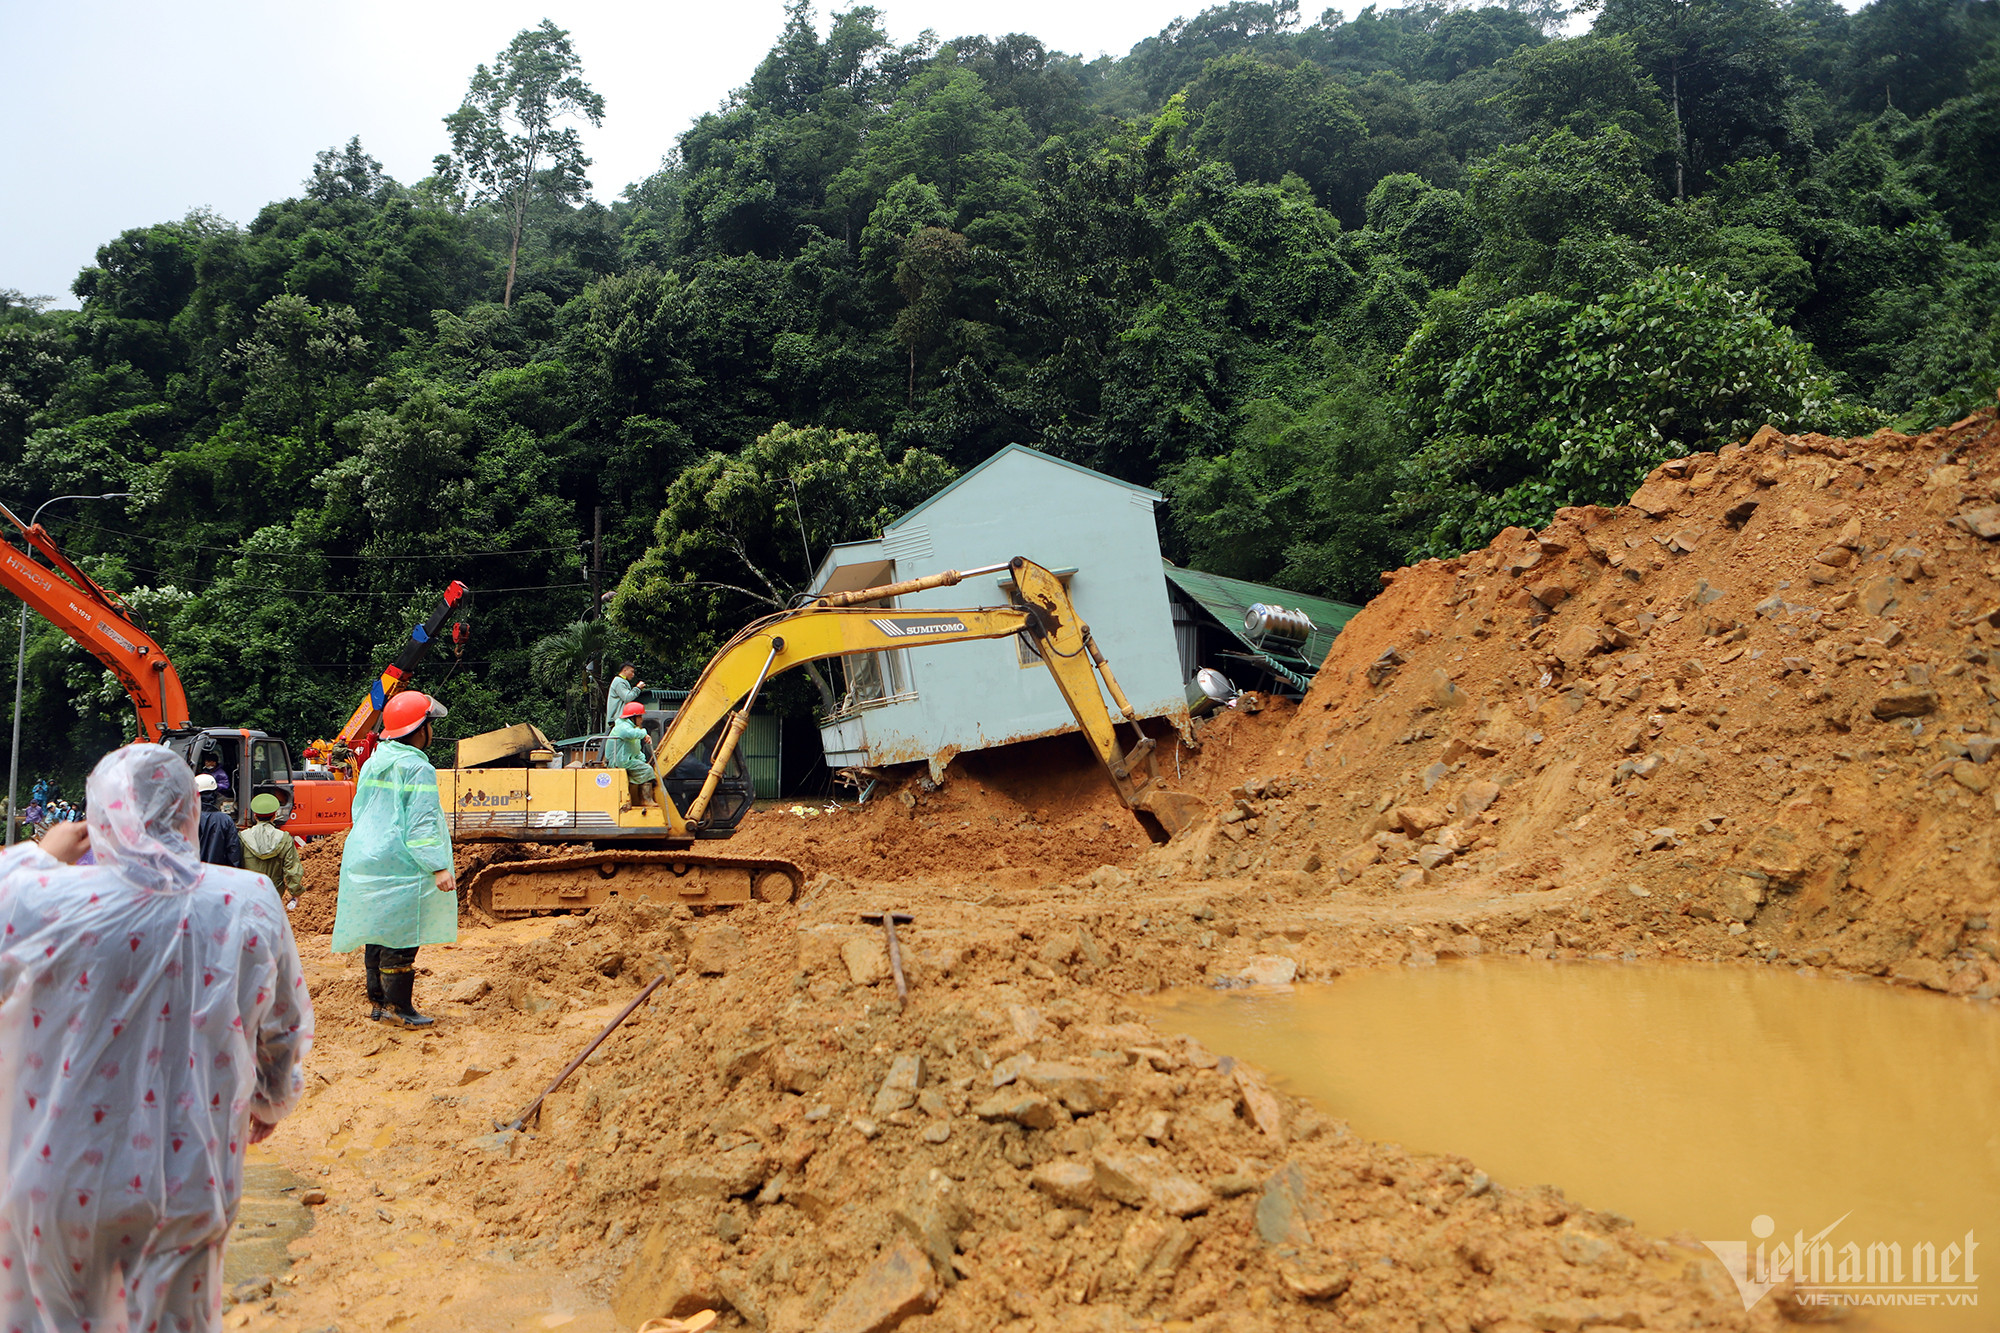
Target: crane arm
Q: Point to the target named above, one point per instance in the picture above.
(396, 675)
(835, 627)
(98, 619)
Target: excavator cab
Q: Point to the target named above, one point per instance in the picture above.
(255, 762)
(735, 793)
(733, 797)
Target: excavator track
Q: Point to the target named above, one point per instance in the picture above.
(579, 881)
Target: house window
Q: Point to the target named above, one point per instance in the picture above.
(872, 677)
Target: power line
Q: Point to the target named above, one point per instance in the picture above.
(333, 592)
(314, 555)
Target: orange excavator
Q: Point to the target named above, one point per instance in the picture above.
(309, 803)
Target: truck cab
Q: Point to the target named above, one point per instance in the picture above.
(309, 804)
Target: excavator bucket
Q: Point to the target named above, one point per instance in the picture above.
(1165, 814)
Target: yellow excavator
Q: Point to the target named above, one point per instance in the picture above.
(511, 786)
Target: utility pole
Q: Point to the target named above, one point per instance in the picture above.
(597, 606)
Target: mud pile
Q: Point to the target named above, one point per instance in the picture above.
(1021, 814)
(1751, 712)
(320, 862)
(1015, 1149)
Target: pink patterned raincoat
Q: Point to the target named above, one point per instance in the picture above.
(150, 1007)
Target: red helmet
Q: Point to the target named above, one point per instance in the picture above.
(633, 709)
(408, 711)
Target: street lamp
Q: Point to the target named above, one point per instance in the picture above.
(20, 670)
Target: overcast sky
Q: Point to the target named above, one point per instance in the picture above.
(124, 113)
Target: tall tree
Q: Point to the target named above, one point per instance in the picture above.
(1720, 64)
(504, 139)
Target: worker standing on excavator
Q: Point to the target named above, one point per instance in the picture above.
(625, 687)
(623, 749)
(397, 891)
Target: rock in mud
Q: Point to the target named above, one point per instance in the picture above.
(1265, 1113)
(867, 961)
(1477, 798)
(716, 950)
(1312, 1285)
(1072, 1184)
(898, 1284)
(1269, 969)
(1137, 1178)
(1029, 1109)
(1983, 522)
(1283, 1210)
(899, 1089)
(1082, 1090)
(1910, 701)
(1417, 820)
(726, 1175)
(661, 1284)
(468, 990)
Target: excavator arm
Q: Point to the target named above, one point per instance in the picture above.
(841, 625)
(98, 619)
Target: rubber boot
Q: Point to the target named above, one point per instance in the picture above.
(400, 986)
(377, 998)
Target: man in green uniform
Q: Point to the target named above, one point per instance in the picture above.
(625, 687)
(397, 890)
(626, 749)
(269, 851)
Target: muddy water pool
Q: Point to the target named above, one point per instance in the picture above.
(1742, 1105)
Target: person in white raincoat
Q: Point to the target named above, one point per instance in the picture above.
(153, 1024)
(397, 891)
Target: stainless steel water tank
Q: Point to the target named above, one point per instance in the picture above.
(1207, 690)
(1263, 621)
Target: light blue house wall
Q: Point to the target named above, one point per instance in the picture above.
(968, 696)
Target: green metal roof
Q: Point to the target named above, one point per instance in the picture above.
(1229, 599)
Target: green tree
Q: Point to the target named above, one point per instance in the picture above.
(296, 360)
(1559, 402)
(1566, 214)
(1266, 121)
(1721, 64)
(344, 173)
(1584, 85)
(741, 534)
(1301, 498)
(932, 260)
(505, 144)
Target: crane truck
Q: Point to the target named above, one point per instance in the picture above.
(256, 761)
(637, 850)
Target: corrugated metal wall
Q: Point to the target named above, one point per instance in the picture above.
(762, 751)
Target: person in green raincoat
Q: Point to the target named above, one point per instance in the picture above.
(397, 891)
(269, 851)
(624, 748)
(625, 687)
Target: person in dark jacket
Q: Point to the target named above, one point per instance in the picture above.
(219, 844)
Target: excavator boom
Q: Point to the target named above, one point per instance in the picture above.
(837, 627)
(98, 619)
